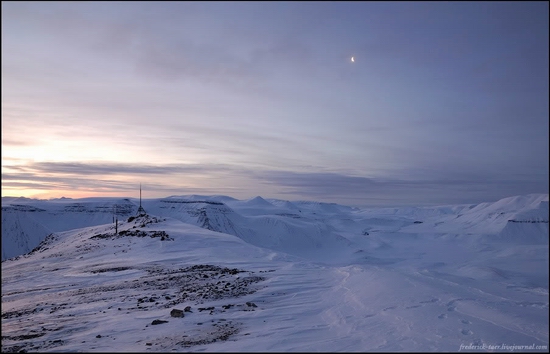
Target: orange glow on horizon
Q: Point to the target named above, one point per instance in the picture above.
(42, 194)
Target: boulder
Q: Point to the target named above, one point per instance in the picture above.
(176, 313)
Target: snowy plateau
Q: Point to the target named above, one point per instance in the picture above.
(218, 274)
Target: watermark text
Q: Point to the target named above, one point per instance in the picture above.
(502, 347)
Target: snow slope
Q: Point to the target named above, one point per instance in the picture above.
(272, 275)
(26, 222)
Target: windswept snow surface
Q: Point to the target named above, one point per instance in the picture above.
(265, 275)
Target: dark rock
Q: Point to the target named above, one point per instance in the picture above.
(205, 308)
(156, 322)
(176, 313)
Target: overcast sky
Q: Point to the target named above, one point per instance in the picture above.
(445, 102)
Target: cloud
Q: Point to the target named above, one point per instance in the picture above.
(101, 177)
(356, 190)
(16, 142)
(39, 169)
(239, 89)
(165, 42)
(242, 182)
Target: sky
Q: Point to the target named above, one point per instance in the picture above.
(444, 102)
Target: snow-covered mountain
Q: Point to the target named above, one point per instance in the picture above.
(26, 222)
(272, 275)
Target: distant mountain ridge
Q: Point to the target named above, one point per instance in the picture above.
(292, 227)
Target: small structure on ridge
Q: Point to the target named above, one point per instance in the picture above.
(140, 210)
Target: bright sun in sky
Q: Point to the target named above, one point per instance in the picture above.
(353, 59)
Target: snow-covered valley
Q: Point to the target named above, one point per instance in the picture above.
(273, 275)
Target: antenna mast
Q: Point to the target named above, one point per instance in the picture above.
(116, 222)
(141, 211)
